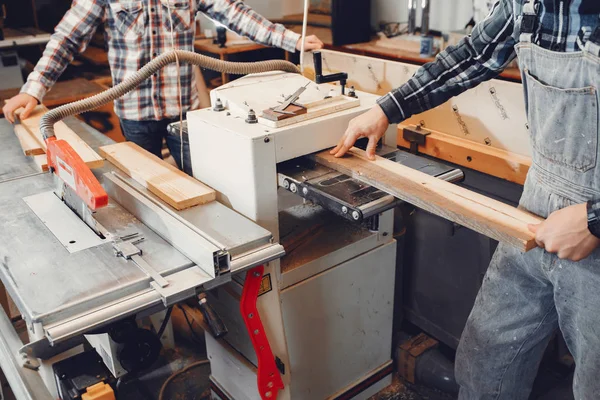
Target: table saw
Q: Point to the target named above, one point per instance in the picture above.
(326, 306)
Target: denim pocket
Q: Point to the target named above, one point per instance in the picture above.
(129, 18)
(563, 123)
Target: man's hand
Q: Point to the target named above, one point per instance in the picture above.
(371, 124)
(310, 43)
(566, 233)
(20, 100)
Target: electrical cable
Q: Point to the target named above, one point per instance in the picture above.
(165, 322)
(303, 37)
(178, 373)
(179, 94)
(190, 325)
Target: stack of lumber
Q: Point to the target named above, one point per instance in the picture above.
(480, 213)
(168, 183)
(33, 144)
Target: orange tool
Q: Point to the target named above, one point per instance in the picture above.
(68, 165)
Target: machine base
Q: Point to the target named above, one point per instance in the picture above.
(369, 386)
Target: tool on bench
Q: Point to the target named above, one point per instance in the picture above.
(289, 108)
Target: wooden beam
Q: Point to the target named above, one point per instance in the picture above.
(29, 144)
(171, 185)
(62, 131)
(479, 213)
(466, 153)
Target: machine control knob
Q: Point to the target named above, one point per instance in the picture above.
(355, 215)
(293, 188)
(218, 106)
(251, 119)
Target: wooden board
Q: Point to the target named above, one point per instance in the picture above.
(62, 131)
(171, 185)
(496, 162)
(316, 109)
(29, 144)
(42, 162)
(479, 213)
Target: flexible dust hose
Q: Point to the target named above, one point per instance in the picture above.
(52, 117)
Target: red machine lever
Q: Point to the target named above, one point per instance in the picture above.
(268, 377)
(69, 166)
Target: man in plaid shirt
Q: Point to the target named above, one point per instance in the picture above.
(524, 298)
(136, 32)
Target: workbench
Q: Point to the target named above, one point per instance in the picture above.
(207, 46)
(371, 49)
(62, 92)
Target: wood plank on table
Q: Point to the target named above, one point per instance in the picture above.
(484, 215)
(62, 131)
(29, 144)
(176, 188)
(466, 153)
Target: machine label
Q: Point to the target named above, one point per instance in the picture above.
(65, 172)
(265, 285)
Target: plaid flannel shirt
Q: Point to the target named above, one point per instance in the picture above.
(563, 25)
(136, 32)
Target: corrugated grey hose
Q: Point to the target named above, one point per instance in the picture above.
(52, 117)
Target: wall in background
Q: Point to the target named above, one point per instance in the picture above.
(445, 15)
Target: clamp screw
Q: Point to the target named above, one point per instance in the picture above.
(345, 210)
(305, 191)
(267, 140)
(355, 215)
(218, 106)
(352, 92)
(293, 188)
(251, 119)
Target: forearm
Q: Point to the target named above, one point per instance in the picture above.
(477, 58)
(71, 36)
(243, 20)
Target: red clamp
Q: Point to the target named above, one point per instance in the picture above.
(268, 377)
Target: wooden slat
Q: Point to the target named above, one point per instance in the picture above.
(30, 146)
(479, 213)
(171, 185)
(42, 162)
(489, 160)
(62, 131)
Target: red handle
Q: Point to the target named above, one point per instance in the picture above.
(268, 377)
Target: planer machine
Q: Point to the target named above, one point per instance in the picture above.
(296, 260)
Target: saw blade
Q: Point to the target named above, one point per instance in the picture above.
(78, 206)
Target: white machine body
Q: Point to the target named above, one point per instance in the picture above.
(328, 313)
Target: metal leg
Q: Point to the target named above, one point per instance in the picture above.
(269, 380)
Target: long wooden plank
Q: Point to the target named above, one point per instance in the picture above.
(489, 160)
(479, 213)
(171, 185)
(62, 131)
(29, 144)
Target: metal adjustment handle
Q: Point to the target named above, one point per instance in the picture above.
(215, 323)
(126, 248)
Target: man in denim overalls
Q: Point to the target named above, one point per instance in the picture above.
(526, 297)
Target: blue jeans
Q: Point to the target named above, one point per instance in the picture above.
(149, 136)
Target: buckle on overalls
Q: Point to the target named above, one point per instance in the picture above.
(528, 23)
